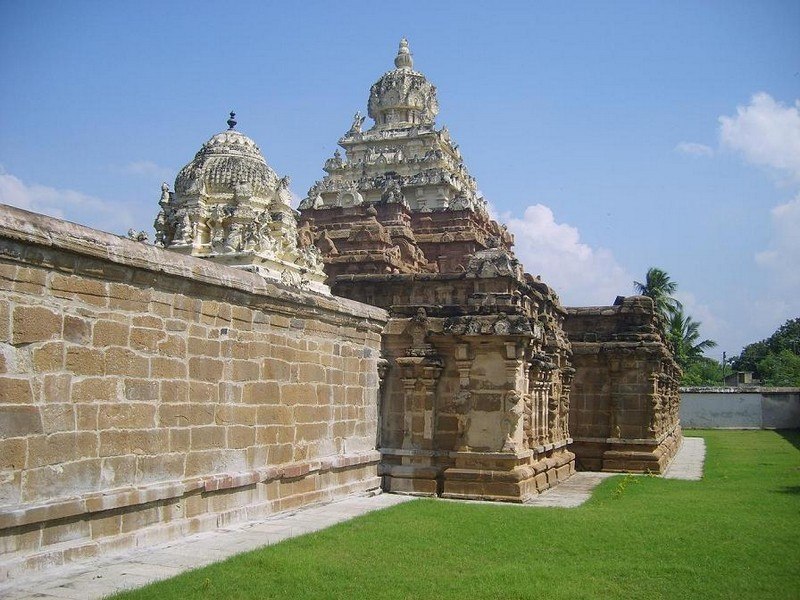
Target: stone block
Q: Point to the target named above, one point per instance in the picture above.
(123, 361)
(127, 297)
(275, 369)
(16, 390)
(207, 437)
(58, 480)
(95, 389)
(110, 333)
(174, 391)
(114, 443)
(172, 345)
(140, 517)
(202, 346)
(183, 415)
(240, 436)
(145, 340)
(61, 447)
(117, 471)
(261, 392)
(82, 360)
(57, 417)
(235, 414)
(149, 441)
(417, 487)
(12, 452)
(70, 531)
(167, 368)
(160, 467)
(311, 373)
(85, 290)
(179, 439)
(205, 462)
(127, 415)
(105, 526)
(86, 417)
(203, 392)
(205, 369)
(77, 330)
(244, 370)
(298, 393)
(48, 357)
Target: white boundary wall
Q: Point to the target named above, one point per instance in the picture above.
(740, 408)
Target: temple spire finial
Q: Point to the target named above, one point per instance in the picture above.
(403, 59)
(232, 121)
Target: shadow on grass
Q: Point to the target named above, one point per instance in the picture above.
(790, 435)
(790, 489)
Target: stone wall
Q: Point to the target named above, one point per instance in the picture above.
(145, 395)
(624, 403)
(741, 408)
(476, 392)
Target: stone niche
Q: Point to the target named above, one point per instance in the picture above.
(624, 398)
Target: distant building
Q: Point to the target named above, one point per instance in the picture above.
(740, 378)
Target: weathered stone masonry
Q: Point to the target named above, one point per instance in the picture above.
(145, 394)
(624, 399)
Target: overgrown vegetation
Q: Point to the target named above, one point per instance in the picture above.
(732, 535)
(775, 360)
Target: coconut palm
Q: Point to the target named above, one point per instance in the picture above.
(684, 332)
(659, 287)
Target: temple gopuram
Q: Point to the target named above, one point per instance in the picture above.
(478, 368)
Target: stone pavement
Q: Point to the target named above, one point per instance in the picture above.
(688, 462)
(99, 577)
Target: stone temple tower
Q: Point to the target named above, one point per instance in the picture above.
(229, 206)
(475, 386)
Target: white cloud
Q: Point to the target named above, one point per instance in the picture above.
(694, 149)
(64, 204)
(580, 274)
(148, 168)
(766, 132)
(782, 257)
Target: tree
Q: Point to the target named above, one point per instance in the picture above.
(774, 360)
(658, 286)
(684, 333)
(703, 371)
(781, 369)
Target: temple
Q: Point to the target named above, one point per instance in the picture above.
(480, 370)
(478, 367)
(257, 359)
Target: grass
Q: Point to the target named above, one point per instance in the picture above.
(736, 534)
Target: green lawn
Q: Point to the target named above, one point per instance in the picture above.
(736, 534)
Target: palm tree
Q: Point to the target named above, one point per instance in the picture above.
(684, 332)
(659, 287)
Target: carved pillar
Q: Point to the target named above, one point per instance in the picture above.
(420, 375)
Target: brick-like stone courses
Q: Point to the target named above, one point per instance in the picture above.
(145, 395)
(624, 399)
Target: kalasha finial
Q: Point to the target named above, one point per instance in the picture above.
(403, 58)
(232, 121)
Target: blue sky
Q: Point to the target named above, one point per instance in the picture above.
(610, 136)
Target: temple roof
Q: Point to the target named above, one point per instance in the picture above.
(402, 96)
(227, 159)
